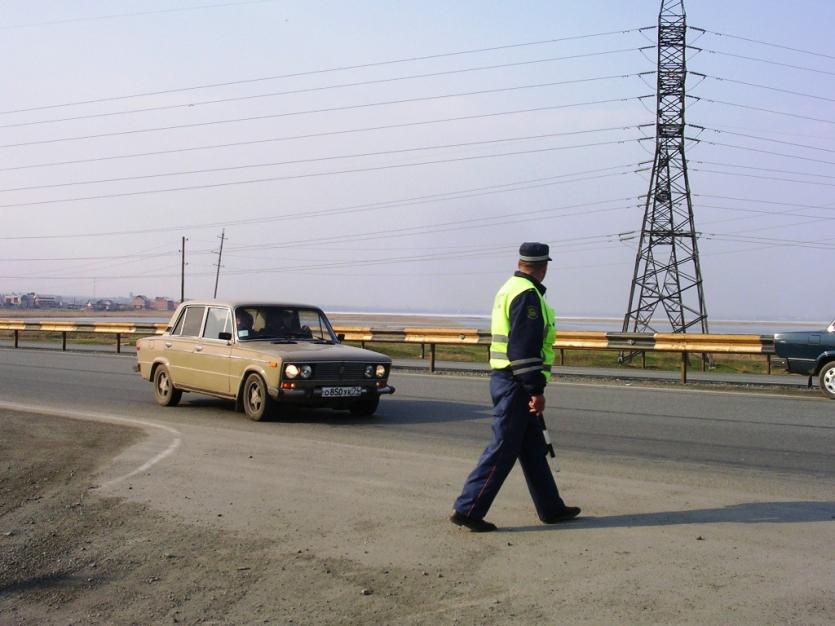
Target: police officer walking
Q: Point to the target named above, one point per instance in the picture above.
(521, 355)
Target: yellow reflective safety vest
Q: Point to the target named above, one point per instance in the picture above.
(500, 330)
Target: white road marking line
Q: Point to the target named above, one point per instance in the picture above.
(102, 417)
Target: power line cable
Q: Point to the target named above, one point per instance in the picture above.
(307, 175)
(759, 215)
(232, 168)
(254, 118)
(770, 202)
(820, 244)
(761, 86)
(755, 108)
(321, 71)
(477, 222)
(378, 81)
(768, 131)
(486, 250)
(564, 244)
(760, 151)
(775, 226)
(768, 61)
(760, 177)
(765, 43)
(303, 136)
(762, 169)
(519, 185)
(759, 138)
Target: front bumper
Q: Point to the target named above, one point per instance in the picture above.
(314, 393)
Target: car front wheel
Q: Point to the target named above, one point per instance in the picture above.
(827, 380)
(255, 398)
(165, 393)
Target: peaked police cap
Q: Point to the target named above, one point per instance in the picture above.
(534, 252)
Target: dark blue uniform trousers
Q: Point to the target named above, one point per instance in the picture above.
(516, 434)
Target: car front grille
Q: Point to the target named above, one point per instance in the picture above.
(339, 371)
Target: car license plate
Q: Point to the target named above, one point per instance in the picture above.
(341, 392)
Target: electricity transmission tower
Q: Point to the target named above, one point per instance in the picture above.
(667, 271)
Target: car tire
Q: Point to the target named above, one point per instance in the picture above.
(255, 399)
(165, 393)
(827, 380)
(366, 406)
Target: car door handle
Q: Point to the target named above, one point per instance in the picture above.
(167, 344)
(198, 348)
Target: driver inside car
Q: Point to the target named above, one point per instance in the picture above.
(243, 321)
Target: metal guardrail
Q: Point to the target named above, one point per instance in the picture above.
(685, 344)
(109, 328)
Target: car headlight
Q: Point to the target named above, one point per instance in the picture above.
(369, 371)
(291, 370)
(380, 371)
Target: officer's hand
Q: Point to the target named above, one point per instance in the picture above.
(537, 404)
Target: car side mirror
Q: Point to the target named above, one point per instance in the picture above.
(225, 336)
(340, 337)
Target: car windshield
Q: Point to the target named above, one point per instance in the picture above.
(282, 324)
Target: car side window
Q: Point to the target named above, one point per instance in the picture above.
(193, 321)
(219, 320)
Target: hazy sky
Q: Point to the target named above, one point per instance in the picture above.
(356, 162)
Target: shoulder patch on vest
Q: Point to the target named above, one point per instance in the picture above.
(533, 312)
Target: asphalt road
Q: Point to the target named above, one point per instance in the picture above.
(699, 507)
(759, 432)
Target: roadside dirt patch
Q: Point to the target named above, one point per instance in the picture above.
(69, 556)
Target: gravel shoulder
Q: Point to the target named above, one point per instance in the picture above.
(273, 530)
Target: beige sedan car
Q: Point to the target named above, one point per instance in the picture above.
(261, 355)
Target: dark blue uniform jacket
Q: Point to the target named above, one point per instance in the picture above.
(527, 332)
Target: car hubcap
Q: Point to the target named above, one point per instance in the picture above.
(163, 385)
(254, 397)
(829, 380)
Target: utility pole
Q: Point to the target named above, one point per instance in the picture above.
(183, 272)
(667, 271)
(219, 256)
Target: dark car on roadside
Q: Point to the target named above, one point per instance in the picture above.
(811, 353)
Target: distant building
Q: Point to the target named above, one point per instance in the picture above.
(105, 305)
(43, 301)
(140, 303)
(163, 304)
(11, 299)
(34, 300)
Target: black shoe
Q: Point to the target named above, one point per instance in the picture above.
(569, 512)
(475, 525)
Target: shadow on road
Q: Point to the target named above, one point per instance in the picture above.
(402, 412)
(747, 513)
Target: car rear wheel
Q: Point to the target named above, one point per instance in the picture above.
(827, 380)
(366, 406)
(255, 399)
(165, 393)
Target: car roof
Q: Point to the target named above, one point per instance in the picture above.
(248, 304)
